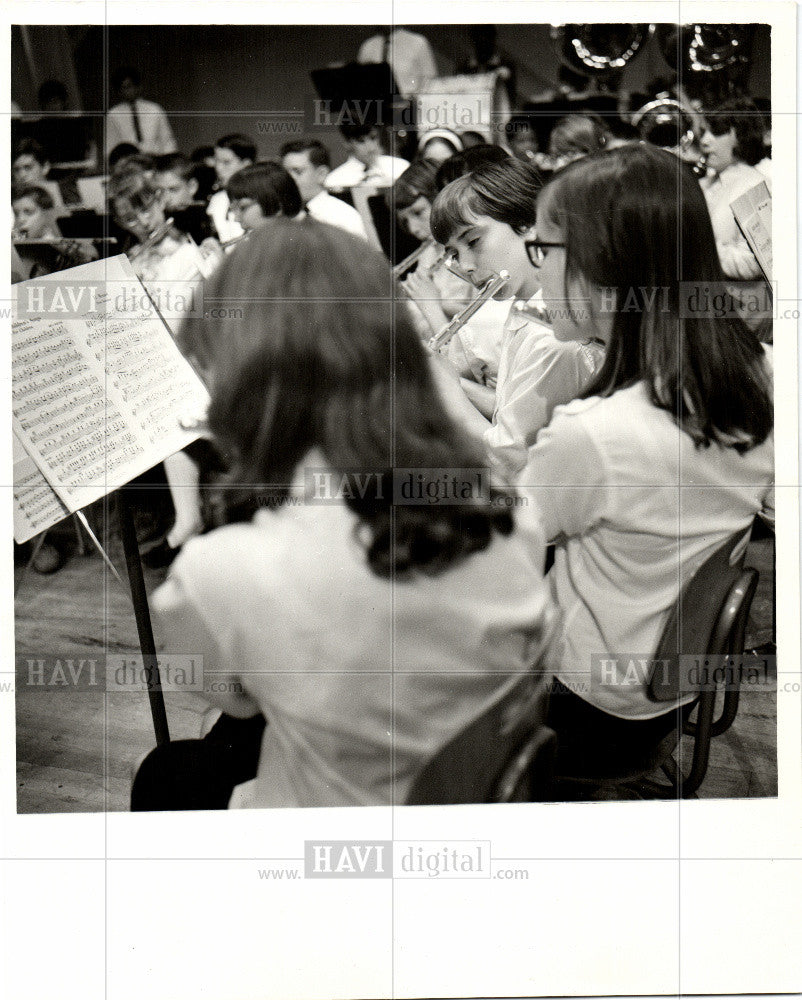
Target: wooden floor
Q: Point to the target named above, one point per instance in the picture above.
(75, 750)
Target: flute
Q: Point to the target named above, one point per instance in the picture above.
(236, 239)
(488, 290)
(400, 270)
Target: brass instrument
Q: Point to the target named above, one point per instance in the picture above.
(493, 285)
(598, 49)
(704, 48)
(679, 127)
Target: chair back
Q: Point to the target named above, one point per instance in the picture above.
(697, 626)
(503, 756)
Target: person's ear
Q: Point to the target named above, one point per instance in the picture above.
(321, 173)
(192, 186)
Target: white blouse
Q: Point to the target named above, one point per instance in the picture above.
(634, 508)
(361, 678)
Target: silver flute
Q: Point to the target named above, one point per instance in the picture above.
(493, 285)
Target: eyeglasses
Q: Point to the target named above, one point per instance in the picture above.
(536, 250)
(240, 205)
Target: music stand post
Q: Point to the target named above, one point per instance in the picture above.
(144, 627)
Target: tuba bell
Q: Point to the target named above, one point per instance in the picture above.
(704, 48)
(598, 49)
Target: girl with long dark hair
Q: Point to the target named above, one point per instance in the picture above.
(669, 451)
(366, 629)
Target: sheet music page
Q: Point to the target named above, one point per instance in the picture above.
(752, 211)
(97, 394)
(37, 506)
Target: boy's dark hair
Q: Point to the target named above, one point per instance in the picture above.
(123, 73)
(467, 160)
(175, 163)
(121, 152)
(134, 161)
(38, 194)
(417, 181)
(240, 145)
(741, 114)
(351, 130)
(200, 153)
(316, 151)
(270, 185)
(504, 191)
(30, 147)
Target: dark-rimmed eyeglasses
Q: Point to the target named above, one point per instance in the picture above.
(536, 250)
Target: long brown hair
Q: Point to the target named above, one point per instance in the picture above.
(310, 349)
(634, 221)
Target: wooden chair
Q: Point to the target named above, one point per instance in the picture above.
(506, 755)
(707, 621)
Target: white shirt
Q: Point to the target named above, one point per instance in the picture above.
(635, 508)
(536, 373)
(737, 259)
(326, 208)
(409, 55)
(384, 173)
(157, 136)
(361, 678)
(217, 209)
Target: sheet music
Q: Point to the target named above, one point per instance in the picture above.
(37, 506)
(752, 211)
(97, 395)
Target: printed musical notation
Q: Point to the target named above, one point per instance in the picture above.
(98, 385)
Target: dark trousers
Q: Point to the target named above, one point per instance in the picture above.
(199, 774)
(585, 734)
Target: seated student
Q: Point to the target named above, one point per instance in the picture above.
(669, 451)
(120, 152)
(262, 192)
(136, 203)
(367, 634)
(231, 153)
(436, 292)
(367, 164)
(485, 218)
(576, 136)
(29, 168)
(175, 179)
(34, 219)
(307, 161)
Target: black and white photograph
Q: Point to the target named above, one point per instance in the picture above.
(403, 481)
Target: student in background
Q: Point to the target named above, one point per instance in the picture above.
(34, 216)
(669, 451)
(178, 188)
(485, 218)
(231, 153)
(367, 634)
(366, 164)
(576, 136)
(438, 145)
(261, 192)
(29, 168)
(142, 123)
(307, 161)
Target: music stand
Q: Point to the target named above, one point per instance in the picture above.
(364, 93)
